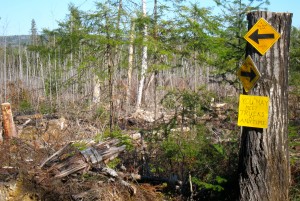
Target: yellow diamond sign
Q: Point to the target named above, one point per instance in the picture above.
(248, 74)
(262, 36)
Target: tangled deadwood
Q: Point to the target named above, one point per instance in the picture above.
(69, 160)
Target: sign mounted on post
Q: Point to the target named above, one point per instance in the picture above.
(253, 111)
(248, 74)
(262, 36)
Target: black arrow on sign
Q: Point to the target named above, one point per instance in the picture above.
(255, 36)
(250, 74)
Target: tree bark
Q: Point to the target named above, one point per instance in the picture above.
(130, 65)
(264, 171)
(144, 61)
(96, 89)
(155, 36)
(20, 62)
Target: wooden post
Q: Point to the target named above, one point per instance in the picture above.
(9, 129)
(264, 173)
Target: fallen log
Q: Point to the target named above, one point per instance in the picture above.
(112, 173)
(55, 157)
(69, 159)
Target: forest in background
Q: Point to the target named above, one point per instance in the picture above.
(117, 60)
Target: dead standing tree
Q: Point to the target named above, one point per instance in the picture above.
(264, 157)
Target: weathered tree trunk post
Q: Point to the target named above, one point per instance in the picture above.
(264, 171)
(9, 129)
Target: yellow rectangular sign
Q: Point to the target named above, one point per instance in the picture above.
(253, 111)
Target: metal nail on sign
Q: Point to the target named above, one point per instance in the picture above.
(262, 36)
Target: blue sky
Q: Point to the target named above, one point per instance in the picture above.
(16, 15)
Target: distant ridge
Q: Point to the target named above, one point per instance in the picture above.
(15, 40)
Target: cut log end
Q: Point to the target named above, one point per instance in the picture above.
(9, 128)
